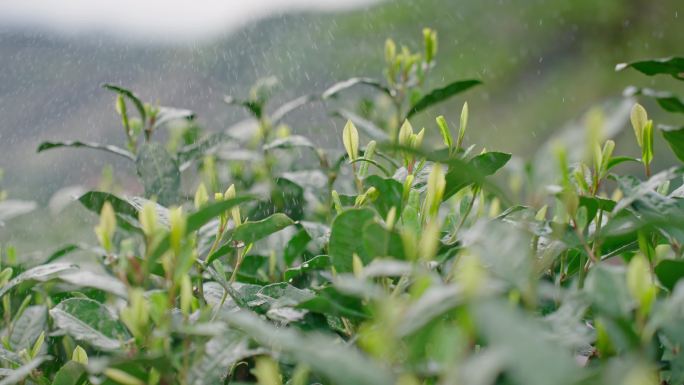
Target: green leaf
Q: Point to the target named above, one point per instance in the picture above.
(100, 280)
(669, 272)
(458, 176)
(336, 88)
(220, 353)
(614, 161)
(675, 138)
(331, 302)
(126, 213)
(130, 96)
(89, 321)
(72, 373)
(200, 218)
(390, 194)
(673, 66)
(250, 232)
(28, 327)
(593, 204)
(39, 273)
(379, 242)
(531, 357)
(441, 94)
(606, 288)
(92, 145)
(339, 363)
(159, 173)
(317, 263)
(666, 100)
(346, 238)
(435, 302)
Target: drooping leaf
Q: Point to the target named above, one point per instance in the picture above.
(340, 364)
(336, 88)
(170, 114)
(92, 145)
(366, 126)
(40, 273)
(675, 139)
(441, 94)
(673, 66)
(11, 208)
(292, 141)
(614, 161)
(159, 173)
(346, 238)
(19, 374)
(128, 94)
(290, 106)
(89, 321)
(250, 232)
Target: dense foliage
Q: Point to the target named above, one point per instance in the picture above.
(388, 262)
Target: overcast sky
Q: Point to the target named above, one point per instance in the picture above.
(170, 20)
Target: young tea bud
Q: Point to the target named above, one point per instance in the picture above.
(235, 211)
(390, 51)
(186, 295)
(429, 240)
(463, 126)
(435, 189)
(201, 196)
(148, 218)
(136, 315)
(444, 130)
(430, 41)
(640, 284)
(368, 154)
(266, 371)
(639, 118)
(337, 203)
(350, 138)
(357, 265)
(177, 224)
(105, 230)
(79, 355)
(391, 218)
(405, 134)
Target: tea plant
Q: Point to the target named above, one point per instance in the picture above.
(390, 262)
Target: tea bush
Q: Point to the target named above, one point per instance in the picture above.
(387, 262)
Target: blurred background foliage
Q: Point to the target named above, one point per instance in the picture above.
(543, 63)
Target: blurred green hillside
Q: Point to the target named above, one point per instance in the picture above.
(543, 63)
